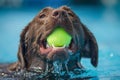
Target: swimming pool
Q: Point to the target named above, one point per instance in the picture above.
(104, 23)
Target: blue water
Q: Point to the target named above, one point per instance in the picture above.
(103, 22)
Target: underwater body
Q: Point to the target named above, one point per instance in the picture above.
(105, 31)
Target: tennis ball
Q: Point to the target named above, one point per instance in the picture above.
(59, 37)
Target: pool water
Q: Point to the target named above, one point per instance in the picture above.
(103, 22)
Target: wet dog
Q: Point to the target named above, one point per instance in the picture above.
(34, 52)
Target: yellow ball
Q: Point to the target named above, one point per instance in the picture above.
(59, 37)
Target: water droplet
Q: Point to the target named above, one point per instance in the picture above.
(111, 54)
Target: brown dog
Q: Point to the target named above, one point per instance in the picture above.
(33, 50)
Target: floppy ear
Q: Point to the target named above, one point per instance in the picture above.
(90, 48)
(22, 48)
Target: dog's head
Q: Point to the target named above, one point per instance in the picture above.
(34, 50)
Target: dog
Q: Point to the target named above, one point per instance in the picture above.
(34, 52)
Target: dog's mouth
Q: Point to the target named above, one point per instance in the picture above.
(57, 53)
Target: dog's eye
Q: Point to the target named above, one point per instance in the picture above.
(42, 16)
(70, 14)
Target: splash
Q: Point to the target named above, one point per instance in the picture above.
(56, 72)
(57, 67)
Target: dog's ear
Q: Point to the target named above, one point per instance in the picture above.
(90, 48)
(22, 48)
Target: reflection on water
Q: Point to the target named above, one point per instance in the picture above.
(106, 30)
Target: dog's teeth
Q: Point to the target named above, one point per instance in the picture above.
(64, 46)
(58, 47)
(53, 46)
(47, 46)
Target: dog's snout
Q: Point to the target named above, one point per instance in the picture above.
(58, 13)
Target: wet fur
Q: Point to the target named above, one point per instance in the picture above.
(39, 28)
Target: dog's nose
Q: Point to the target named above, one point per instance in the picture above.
(58, 13)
